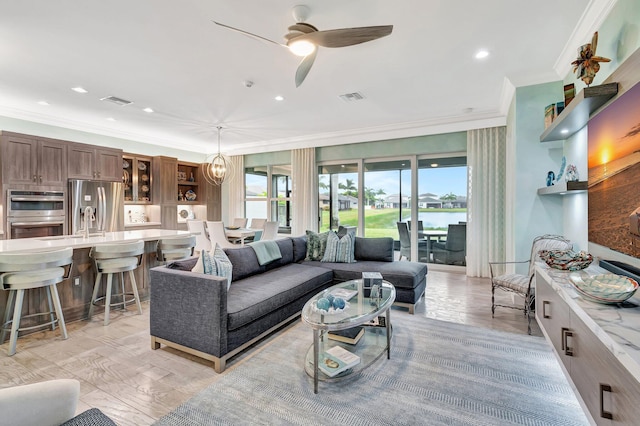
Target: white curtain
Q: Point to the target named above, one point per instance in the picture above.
(236, 188)
(305, 197)
(486, 209)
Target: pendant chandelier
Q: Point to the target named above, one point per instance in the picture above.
(218, 169)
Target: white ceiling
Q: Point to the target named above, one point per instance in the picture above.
(169, 56)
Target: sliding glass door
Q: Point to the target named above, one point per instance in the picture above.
(338, 196)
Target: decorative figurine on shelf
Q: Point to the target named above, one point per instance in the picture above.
(572, 173)
(551, 177)
(191, 178)
(180, 196)
(588, 64)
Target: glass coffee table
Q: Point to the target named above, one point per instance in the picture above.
(361, 310)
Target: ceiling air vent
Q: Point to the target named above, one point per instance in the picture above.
(116, 100)
(352, 97)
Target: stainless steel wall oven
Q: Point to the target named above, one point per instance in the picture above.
(35, 214)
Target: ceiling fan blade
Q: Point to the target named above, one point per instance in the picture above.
(346, 36)
(249, 34)
(304, 67)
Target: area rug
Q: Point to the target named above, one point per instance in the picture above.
(439, 373)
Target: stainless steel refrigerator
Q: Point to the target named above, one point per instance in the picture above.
(106, 202)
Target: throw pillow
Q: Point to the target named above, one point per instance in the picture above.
(316, 245)
(340, 250)
(215, 262)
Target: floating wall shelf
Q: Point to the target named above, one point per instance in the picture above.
(564, 188)
(576, 115)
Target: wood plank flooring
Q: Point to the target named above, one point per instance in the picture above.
(121, 375)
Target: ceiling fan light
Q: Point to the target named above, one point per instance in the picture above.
(301, 47)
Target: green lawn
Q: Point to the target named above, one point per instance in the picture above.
(378, 222)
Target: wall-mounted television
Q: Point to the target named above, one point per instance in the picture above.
(614, 175)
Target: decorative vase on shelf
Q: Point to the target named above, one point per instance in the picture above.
(572, 173)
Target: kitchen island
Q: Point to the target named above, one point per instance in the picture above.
(75, 293)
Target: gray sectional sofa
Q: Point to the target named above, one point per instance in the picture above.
(196, 313)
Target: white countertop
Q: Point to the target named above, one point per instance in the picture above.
(142, 224)
(617, 326)
(44, 243)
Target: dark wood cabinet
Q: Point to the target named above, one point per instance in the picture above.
(93, 162)
(32, 161)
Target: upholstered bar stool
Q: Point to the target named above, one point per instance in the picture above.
(175, 248)
(116, 259)
(27, 271)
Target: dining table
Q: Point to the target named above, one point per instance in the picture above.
(431, 235)
(239, 234)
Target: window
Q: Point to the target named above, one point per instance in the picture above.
(387, 188)
(268, 194)
(338, 196)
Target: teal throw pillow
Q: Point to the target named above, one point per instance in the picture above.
(215, 262)
(340, 250)
(316, 245)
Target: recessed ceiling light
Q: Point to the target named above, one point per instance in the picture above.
(79, 89)
(564, 131)
(45, 103)
(111, 119)
(279, 98)
(434, 164)
(482, 54)
(147, 109)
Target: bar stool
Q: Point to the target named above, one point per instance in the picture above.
(26, 271)
(175, 248)
(116, 259)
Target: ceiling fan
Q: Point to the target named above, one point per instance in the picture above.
(303, 38)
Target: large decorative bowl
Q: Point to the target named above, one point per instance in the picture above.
(605, 288)
(566, 260)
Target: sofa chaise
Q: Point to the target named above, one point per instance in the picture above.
(199, 314)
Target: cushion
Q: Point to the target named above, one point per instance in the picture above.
(339, 250)
(380, 249)
(214, 262)
(183, 265)
(316, 245)
(244, 261)
(299, 248)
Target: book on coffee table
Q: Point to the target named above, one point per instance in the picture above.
(344, 293)
(350, 335)
(377, 322)
(336, 360)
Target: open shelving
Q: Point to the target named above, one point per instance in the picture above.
(576, 115)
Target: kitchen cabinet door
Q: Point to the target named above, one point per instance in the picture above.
(97, 163)
(19, 160)
(33, 162)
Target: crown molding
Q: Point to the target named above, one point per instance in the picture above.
(590, 21)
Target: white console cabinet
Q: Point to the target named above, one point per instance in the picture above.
(598, 345)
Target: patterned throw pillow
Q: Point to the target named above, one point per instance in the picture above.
(316, 245)
(215, 262)
(340, 250)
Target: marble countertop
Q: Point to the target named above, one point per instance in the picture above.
(44, 243)
(617, 326)
(141, 224)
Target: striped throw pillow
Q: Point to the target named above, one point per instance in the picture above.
(340, 250)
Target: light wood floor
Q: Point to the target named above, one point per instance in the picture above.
(121, 375)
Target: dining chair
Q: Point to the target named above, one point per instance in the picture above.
(405, 243)
(270, 230)
(240, 222)
(524, 285)
(257, 223)
(454, 249)
(218, 235)
(197, 228)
